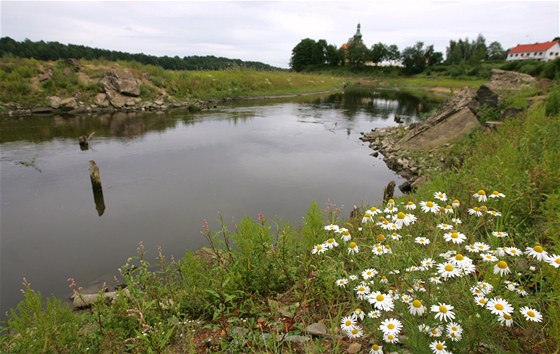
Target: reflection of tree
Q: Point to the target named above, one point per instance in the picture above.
(378, 104)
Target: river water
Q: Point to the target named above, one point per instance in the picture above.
(162, 175)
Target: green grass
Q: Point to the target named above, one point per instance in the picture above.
(261, 278)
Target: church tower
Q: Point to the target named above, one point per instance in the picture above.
(358, 34)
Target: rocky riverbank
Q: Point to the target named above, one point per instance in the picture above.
(409, 149)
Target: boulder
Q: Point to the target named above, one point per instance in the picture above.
(101, 100)
(54, 101)
(455, 119)
(121, 82)
(69, 103)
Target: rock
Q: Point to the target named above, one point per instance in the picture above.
(101, 100)
(69, 103)
(297, 339)
(73, 63)
(354, 348)
(317, 329)
(406, 187)
(54, 101)
(45, 75)
(454, 120)
(41, 110)
(121, 82)
(116, 99)
(487, 97)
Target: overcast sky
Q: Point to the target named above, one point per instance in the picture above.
(267, 31)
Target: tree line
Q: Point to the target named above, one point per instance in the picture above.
(42, 50)
(309, 54)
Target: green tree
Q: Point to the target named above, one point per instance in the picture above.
(303, 54)
(357, 52)
(379, 52)
(496, 51)
(416, 58)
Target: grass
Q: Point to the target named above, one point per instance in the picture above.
(263, 281)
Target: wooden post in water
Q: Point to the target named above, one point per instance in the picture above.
(95, 177)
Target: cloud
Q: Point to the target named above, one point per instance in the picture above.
(267, 31)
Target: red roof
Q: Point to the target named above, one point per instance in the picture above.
(537, 47)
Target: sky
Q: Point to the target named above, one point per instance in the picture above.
(267, 31)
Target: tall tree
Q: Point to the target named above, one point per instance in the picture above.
(379, 52)
(357, 52)
(496, 51)
(417, 58)
(303, 54)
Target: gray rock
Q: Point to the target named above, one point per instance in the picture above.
(69, 103)
(101, 100)
(54, 101)
(121, 82)
(317, 329)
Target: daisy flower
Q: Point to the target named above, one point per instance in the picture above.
(481, 247)
(521, 291)
(369, 273)
(501, 268)
(454, 336)
(331, 243)
(435, 280)
(454, 327)
(410, 206)
(505, 319)
(353, 248)
(348, 323)
(456, 221)
(448, 209)
(443, 312)
(390, 338)
(459, 260)
(440, 196)
(475, 211)
(455, 237)
(496, 194)
(342, 282)
(513, 251)
(447, 270)
(435, 332)
(427, 263)
(429, 207)
(456, 203)
(553, 260)
(531, 314)
(381, 301)
(480, 196)
(499, 306)
(499, 234)
(368, 217)
(403, 219)
(359, 313)
(391, 209)
(353, 277)
(445, 227)
(482, 287)
(416, 308)
(346, 236)
(488, 257)
(362, 290)
(318, 249)
(494, 213)
(391, 202)
(422, 240)
(536, 252)
(481, 301)
(391, 326)
(438, 347)
(376, 349)
(332, 227)
(396, 236)
(424, 328)
(374, 314)
(355, 332)
(407, 299)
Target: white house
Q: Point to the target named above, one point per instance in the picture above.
(539, 51)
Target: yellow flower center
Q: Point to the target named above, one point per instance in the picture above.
(483, 208)
(442, 309)
(502, 264)
(482, 301)
(354, 331)
(439, 346)
(538, 249)
(346, 233)
(507, 316)
(380, 238)
(352, 245)
(495, 193)
(375, 347)
(410, 203)
(456, 202)
(454, 234)
(374, 209)
(449, 268)
(361, 288)
(454, 329)
(401, 215)
(330, 240)
(319, 247)
(392, 326)
(557, 260)
(417, 303)
(348, 323)
(530, 314)
(481, 192)
(390, 337)
(459, 257)
(499, 307)
(429, 204)
(434, 331)
(380, 297)
(391, 201)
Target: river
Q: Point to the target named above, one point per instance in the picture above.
(163, 174)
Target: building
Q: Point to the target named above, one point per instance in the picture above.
(539, 51)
